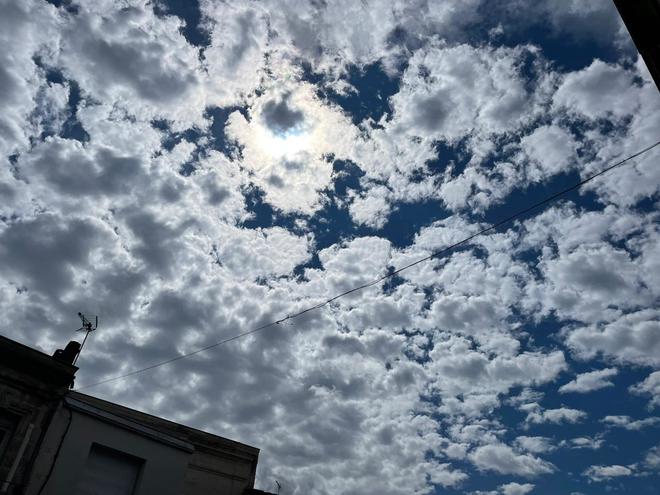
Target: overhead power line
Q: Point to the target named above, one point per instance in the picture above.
(435, 254)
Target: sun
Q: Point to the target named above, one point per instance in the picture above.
(285, 145)
(290, 144)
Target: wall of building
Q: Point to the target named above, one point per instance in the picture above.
(211, 473)
(217, 466)
(162, 472)
(60, 427)
(31, 386)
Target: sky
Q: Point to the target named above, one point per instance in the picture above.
(190, 170)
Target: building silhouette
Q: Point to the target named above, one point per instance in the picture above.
(56, 441)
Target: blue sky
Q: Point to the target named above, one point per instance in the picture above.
(191, 170)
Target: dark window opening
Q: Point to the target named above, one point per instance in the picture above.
(7, 425)
(109, 472)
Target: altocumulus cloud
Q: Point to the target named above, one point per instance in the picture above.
(191, 177)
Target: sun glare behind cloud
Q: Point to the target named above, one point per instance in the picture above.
(287, 145)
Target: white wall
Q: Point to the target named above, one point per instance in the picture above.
(162, 473)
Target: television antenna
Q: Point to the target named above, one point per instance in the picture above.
(87, 327)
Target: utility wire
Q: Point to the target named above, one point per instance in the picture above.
(433, 255)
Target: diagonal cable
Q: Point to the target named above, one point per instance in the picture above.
(436, 254)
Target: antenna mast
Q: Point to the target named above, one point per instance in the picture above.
(86, 327)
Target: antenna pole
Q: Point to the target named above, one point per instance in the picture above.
(81, 348)
(87, 327)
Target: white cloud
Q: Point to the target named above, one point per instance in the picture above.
(569, 229)
(470, 381)
(535, 445)
(652, 458)
(235, 61)
(348, 265)
(617, 98)
(585, 285)
(590, 381)
(551, 149)
(502, 459)
(598, 91)
(393, 389)
(331, 36)
(629, 424)
(431, 104)
(559, 415)
(371, 209)
(28, 29)
(130, 58)
(632, 338)
(517, 488)
(285, 142)
(605, 473)
(583, 443)
(589, 19)
(649, 386)
(253, 253)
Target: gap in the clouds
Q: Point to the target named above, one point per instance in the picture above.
(53, 75)
(330, 224)
(219, 116)
(170, 139)
(584, 130)
(333, 222)
(346, 176)
(190, 12)
(405, 42)
(390, 285)
(67, 5)
(648, 204)
(566, 51)
(531, 71)
(370, 97)
(407, 219)
(71, 128)
(425, 349)
(538, 335)
(456, 156)
(523, 197)
(263, 215)
(614, 400)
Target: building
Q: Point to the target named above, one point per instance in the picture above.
(642, 18)
(32, 385)
(55, 440)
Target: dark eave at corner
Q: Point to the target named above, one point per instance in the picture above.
(35, 363)
(642, 18)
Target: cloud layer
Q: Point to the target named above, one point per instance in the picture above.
(191, 177)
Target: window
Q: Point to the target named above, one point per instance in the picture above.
(109, 472)
(7, 423)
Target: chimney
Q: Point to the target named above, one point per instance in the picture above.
(69, 353)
